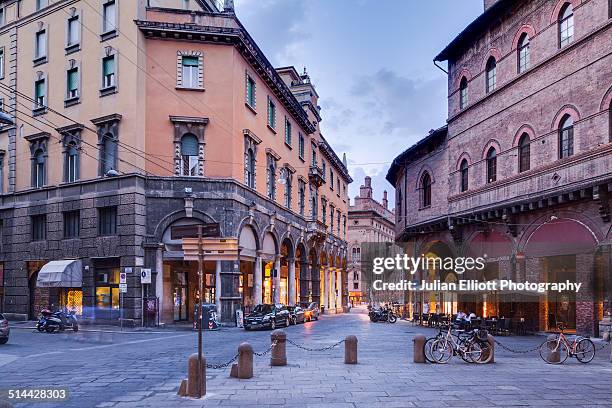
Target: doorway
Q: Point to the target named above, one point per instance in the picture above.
(181, 295)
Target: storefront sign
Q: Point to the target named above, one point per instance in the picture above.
(191, 231)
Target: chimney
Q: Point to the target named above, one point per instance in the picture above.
(385, 202)
(488, 4)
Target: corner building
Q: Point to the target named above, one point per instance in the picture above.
(521, 173)
(137, 121)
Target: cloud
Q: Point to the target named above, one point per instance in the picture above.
(288, 18)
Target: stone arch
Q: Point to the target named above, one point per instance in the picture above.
(248, 241)
(270, 247)
(464, 73)
(466, 156)
(522, 130)
(287, 244)
(424, 169)
(252, 222)
(493, 52)
(606, 101)
(171, 218)
(491, 143)
(490, 243)
(524, 29)
(565, 226)
(300, 252)
(568, 109)
(554, 16)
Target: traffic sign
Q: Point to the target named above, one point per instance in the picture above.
(122, 277)
(145, 275)
(123, 287)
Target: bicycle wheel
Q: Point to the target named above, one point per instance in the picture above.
(427, 349)
(442, 351)
(554, 352)
(585, 351)
(480, 352)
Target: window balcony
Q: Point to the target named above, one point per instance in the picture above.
(315, 175)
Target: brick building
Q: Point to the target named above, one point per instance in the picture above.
(369, 221)
(521, 173)
(137, 121)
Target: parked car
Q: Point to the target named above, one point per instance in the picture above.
(267, 316)
(296, 314)
(311, 312)
(5, 330)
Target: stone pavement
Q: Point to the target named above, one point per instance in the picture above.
(144, 370)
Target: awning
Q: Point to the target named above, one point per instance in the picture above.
(61, 274)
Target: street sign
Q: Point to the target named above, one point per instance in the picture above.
(122, 277)
(145, 275)
(123, 287)
(127, 269)
(213, 249)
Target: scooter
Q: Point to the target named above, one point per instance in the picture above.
(57, 321)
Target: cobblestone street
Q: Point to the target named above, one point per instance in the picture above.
(144, 369)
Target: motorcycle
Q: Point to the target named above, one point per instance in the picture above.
(382, 315)
(51, 322)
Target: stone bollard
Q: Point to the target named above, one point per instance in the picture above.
(278, 357)
(245, 361)
(419, 350)
(491, 341)
(350, 350)
(555, 356)
(193, 388)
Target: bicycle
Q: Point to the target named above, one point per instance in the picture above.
(557, 350)
(472, 347)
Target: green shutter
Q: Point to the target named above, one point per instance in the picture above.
(73, 79)
(108, 65)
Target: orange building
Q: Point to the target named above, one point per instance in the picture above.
(134, 123)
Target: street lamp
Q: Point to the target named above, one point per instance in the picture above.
(6, 119)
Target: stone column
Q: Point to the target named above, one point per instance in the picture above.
(159, 281)
(218, 285)
(291, 282)
(276, 280)
(339, 286)
(586, 317)
(323, 288)
(331, 291)
(257, 282)
(304, 282)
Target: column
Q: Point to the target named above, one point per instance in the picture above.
(323, 287)
(331, 296)
(291, 282)
(305, 280)
(218, 285)
(257, 282)
(339, 285)
(159, 282)
(276, 280)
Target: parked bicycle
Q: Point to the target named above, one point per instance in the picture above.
(472, 346)
(557, 350)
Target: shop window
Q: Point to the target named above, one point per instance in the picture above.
(107, 292)
(107, 220)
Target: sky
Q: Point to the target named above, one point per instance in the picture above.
(371, 62)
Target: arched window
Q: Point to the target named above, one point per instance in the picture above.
(523, 53)
(566, 25)
(250, 168)
(463, 169)
(189, 155)
(425, 190)
(463, 93)
(38, 175)
(491, 78)
(524, 153)
(491, 165)
(566, 137)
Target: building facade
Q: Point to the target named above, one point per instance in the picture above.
(370, 221)
(521, 173)
(137, 121)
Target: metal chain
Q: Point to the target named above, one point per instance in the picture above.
(263, 353)
(516, 351)
(315, 349)
(224, 365)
